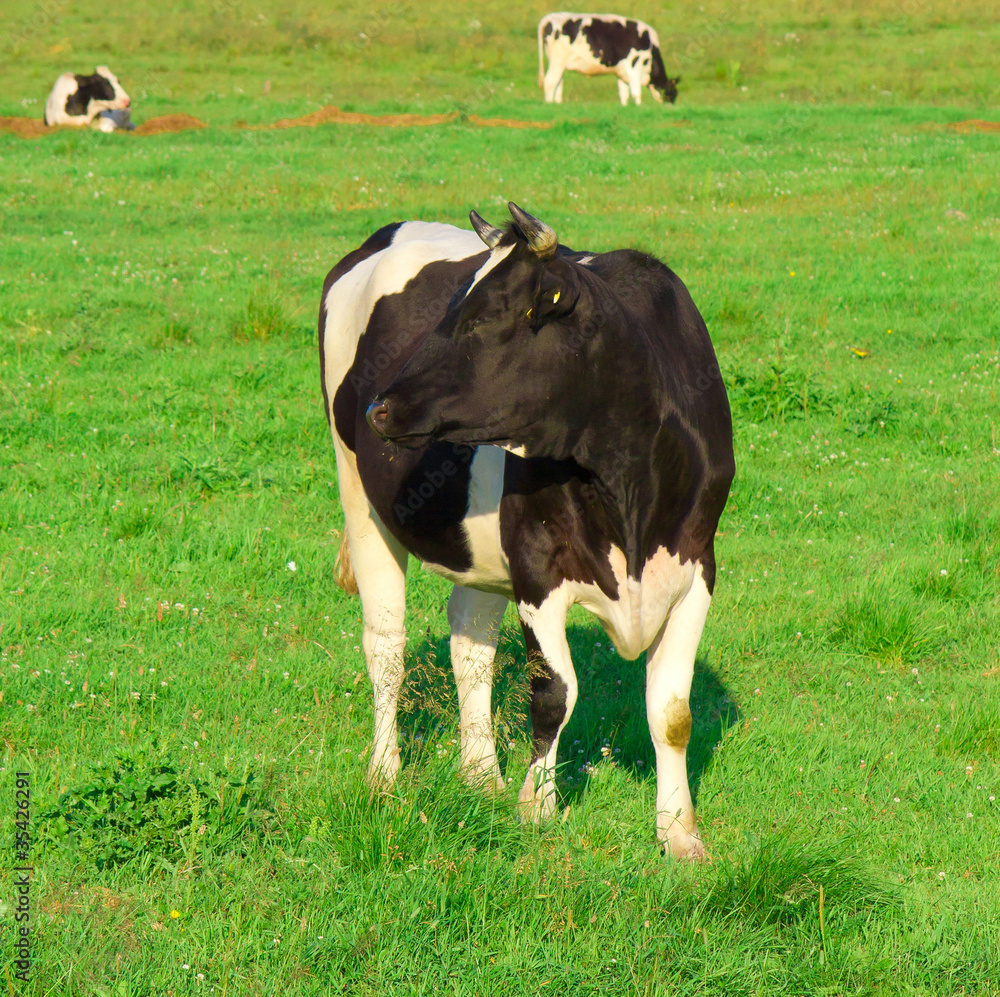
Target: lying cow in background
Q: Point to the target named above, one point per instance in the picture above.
(536, 425)
(79, 100)
(595, 44)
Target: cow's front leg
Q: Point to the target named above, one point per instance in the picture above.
(553, 696)
(475, 619)
(635, 87)
(669, 669)
(623, 92)
(379, 567)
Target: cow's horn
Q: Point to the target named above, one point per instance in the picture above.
(541, 238)
(490, 234)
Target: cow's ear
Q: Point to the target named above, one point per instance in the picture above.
(556, 298)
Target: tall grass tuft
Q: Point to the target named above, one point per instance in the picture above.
(263, 318)
(780, 879)
(894, 635)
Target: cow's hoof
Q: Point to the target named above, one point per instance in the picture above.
(484, 777)
(690, 848)
(538, 804)
(381, 777)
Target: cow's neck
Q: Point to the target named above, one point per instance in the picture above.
(641, 456)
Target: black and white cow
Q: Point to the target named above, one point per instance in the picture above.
(536, 425)
(79, 100)
(595, 44)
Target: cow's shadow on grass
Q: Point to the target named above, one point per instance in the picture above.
(608, 724)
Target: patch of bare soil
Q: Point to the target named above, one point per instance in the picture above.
(334, 115)
(169, 123)
(25, 127)
(975, 125)
(507, 122)
(34, 128)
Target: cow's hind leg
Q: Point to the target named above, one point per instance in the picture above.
(379, 566)
(669, 669)
(475, 619)
(553, 696)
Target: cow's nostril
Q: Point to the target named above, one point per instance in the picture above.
(378, 416)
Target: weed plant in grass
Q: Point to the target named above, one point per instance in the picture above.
(184, 682)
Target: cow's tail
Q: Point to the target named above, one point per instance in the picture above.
(541, 56)
(343, 572)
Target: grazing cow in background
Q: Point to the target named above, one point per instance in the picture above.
(595, 44)
(536, 425)
(79, 100)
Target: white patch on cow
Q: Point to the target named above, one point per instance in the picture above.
(634, 617)
(66, 86)
(388, 271)
(490, 570)
(517, 451)
(497, 255)
(584, 260)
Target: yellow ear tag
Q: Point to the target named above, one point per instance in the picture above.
(529, 314)
(555, 297)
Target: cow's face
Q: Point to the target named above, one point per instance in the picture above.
(105, 90)
(667, 91)
(506, 363)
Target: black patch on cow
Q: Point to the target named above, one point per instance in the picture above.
(554, 527)
(571, 28)
(707, 562)
(611, 41)
(549, 694)
(431, 502)
(373, 244)
(88, 88)
(635, 59)
(421, 493)
(548, 30)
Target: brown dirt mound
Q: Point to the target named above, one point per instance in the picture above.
(33, 128)
(25, 127)
(169, 123)
(507, 122)
(975, 125)
(328, 114)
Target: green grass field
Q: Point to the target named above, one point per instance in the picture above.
(182, 679)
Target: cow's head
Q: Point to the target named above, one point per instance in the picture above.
(661, 86)
(666, 90)
(102, 91)
(508, 363)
